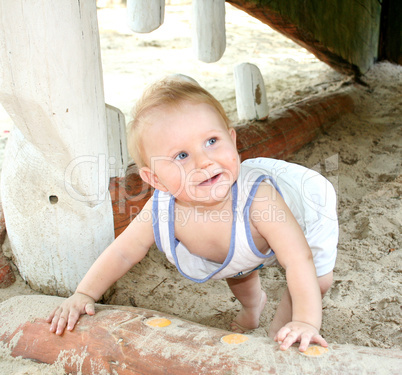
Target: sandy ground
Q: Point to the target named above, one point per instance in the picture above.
(361, 155)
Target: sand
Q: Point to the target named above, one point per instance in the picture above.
(361, 155)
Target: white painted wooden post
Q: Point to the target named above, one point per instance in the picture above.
(117, 141)
(145, 16)
(209, 35)
(251, 98)
(54, 182)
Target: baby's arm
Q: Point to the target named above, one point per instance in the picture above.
(125, 251)
(287, 239)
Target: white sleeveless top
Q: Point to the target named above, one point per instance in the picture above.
(289, 180)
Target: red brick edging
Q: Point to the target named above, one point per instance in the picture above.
(7, 276)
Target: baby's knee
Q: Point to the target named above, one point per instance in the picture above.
(325, 282)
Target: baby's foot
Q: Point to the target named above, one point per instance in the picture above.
(249, 318)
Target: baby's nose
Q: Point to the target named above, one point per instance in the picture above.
(203, 161)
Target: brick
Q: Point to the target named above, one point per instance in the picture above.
(7, 276)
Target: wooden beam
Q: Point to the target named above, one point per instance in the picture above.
(132, 341)
(342, 33)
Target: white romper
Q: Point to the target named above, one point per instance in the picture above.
(310, 197)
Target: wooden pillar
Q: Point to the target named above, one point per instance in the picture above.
(145, 16)
(209, 35)
(55, 179)
(117, 141)
(251, 98)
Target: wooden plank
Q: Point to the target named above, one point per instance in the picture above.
(127, 340)
(342, 33)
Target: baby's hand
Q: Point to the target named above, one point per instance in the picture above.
(68, 313)
(299, 332)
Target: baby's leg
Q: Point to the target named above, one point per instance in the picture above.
(283, 314)
(248, 291)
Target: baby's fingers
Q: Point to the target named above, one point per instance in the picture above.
(319, 340)
(306, 339)
(59, 321)
(281, 335)
(72, 319)
(75, 315)
(90, 308)
(286, 338)
(304, 342)
(51, 315)
(53, 319)
(291, 338)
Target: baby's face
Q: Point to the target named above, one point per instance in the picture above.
(192, 153)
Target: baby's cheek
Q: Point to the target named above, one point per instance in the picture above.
(236, 163)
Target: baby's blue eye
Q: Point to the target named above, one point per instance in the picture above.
(211, 141)
(181, 156)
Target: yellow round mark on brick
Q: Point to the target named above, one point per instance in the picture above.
(234, 338)
(158, 322)
(315, 351)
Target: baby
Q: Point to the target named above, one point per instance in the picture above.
(216, 218)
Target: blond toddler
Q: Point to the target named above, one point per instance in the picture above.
(215, 217)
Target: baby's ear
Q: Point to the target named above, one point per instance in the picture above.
(151, 178)
(232, 133)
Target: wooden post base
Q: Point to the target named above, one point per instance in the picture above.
(128, 340)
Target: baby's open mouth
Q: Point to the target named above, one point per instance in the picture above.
(211, 180)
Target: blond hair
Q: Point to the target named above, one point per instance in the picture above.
(171, 91)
